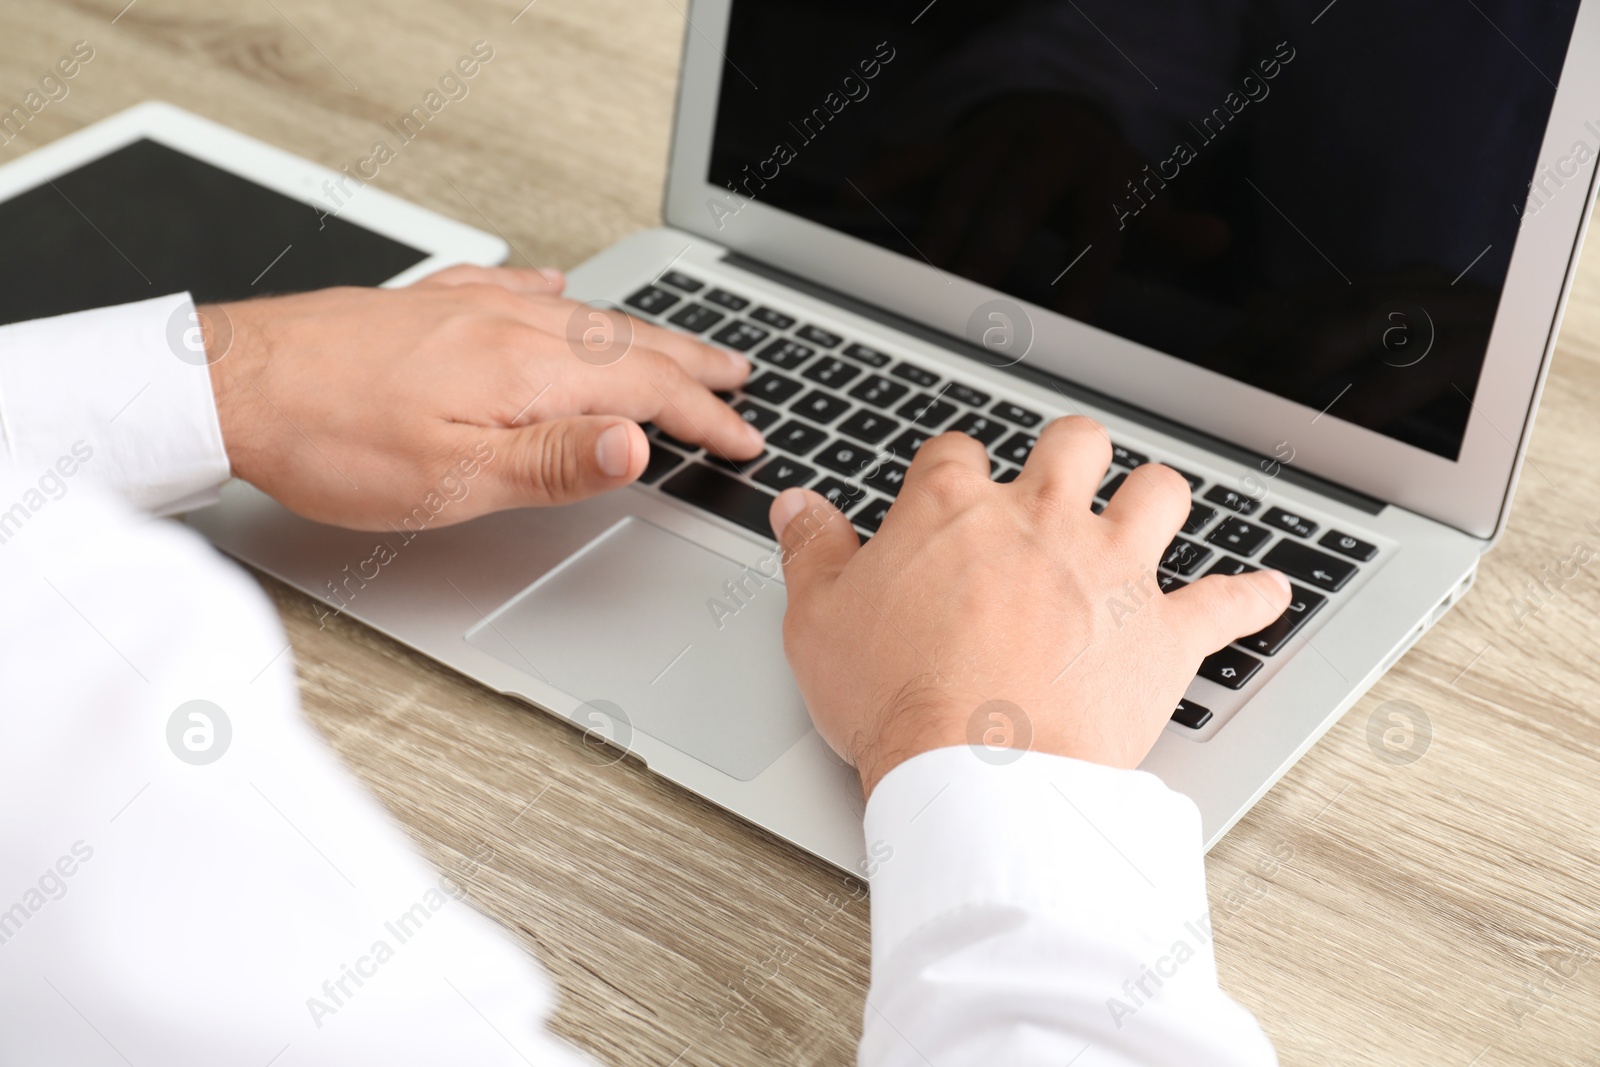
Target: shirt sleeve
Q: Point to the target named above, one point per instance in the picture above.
(119, 396)
(1042, 911)
(187, 875)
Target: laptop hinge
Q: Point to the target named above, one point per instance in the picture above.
(1343, 494)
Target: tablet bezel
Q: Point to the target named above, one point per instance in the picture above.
(444, 241)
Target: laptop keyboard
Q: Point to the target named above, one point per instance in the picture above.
(844, 419)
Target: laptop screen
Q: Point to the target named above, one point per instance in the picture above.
(1318, 199)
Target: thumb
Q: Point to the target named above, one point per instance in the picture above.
(817, 541)
(1223, 608)
(566, 460)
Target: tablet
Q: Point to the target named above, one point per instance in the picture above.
(156, 200)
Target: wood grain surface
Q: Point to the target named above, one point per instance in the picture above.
(1441, 910)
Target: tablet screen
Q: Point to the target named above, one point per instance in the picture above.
(147, 220)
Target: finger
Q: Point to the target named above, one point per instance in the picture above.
(649, 387)
(540, 281)
(1150, 507)
(718, 368)
(1068, 461)
(948, 448)
(564, 460)
(610, 335)
(817, 542)
(1220, 609)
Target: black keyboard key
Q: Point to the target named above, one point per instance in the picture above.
(1097, 507)
(723, 495)
(1107, 491)
(818, 336)
(878, 391)
(925, 410)
(1194, 480)
(773, 387)
(1190, 714)
(735, 466)
(1236, 535)
(1007, 476)
(913, 373)
(1302, 605)
(785, 354)
(820, 407)
(696, 318)
(1170, 583)
(1017, 448)
(840, 494)
(739, 335)
(796, 437)
(679, 280)
(1019, 415)
(847, 458)
(1199, 515)
(887, 477)
(681, 446)
(1185, 557)
(652, 300)
(1127, 457)
(1232, 499)
(1309, 565)
(1346, 545)
(872, 514)
(776, 319)
(868, 426)
(1230, 668)
(784, 473)
(834, 373)
(980, 427)
(966, 394)
(870, 356)
(756, 415)
(1289, 522)
(917, 375)
(727, 300)
(1229, 566)
(906, 445)
(662, 460)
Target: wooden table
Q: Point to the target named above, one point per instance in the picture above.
(1441, 911)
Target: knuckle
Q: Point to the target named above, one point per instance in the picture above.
(947, 481)
(556, 462)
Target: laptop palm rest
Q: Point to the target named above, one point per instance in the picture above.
(686, 642)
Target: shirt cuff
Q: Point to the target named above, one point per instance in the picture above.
(120, 396)
(958, 828)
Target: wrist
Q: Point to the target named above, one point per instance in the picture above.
(913, 725)
(233, 347)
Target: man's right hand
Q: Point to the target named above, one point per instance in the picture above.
(353, 406)
(1007, 615)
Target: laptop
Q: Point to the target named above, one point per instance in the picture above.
(1315, 266)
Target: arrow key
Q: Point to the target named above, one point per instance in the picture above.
(1230, 668)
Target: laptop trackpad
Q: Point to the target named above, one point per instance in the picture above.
(688, 643)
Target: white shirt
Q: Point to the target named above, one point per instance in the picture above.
(261, 908)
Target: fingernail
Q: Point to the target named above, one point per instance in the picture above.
(612, 450)
(738, 361)
(790, 503)
(552, 275)
(754, 434)
(1280, 578)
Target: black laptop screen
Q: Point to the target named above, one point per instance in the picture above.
(1319, 199)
